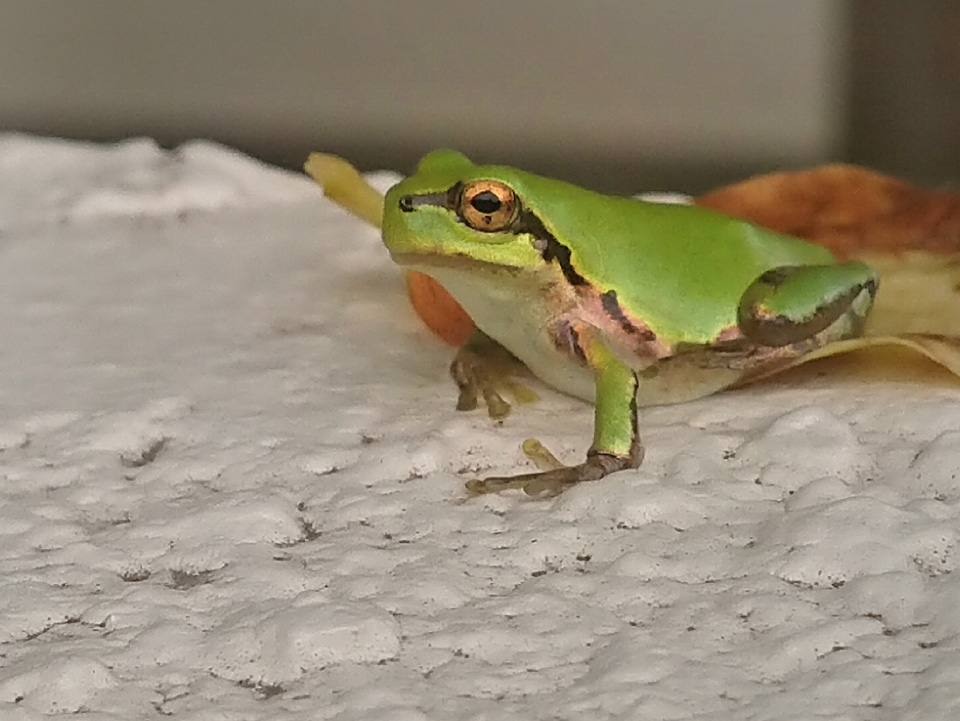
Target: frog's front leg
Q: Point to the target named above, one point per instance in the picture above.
(791, 304)
(481, 369)
(616, 440)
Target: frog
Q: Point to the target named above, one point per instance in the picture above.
(618, 301)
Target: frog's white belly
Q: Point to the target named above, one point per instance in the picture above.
(499, 310)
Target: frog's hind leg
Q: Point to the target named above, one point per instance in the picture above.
(791, 304)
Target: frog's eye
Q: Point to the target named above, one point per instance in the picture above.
(488, 205)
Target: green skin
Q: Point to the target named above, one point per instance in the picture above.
(614, 300)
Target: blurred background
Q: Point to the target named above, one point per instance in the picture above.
(623, 95)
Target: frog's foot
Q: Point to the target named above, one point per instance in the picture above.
(616, 441)
(482, 369)
(793, 304)
(553, 482)
(554, 478)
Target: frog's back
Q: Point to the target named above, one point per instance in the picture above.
(682, 269)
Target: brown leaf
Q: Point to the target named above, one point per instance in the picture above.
(849, 210)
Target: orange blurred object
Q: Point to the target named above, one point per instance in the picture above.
(437, 308)
(850, 210)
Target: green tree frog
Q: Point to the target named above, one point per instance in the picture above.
(617, 301)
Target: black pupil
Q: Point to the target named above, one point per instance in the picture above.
(486, 202)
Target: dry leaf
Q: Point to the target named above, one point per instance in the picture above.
(847, 209)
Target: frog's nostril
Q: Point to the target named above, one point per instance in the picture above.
(406, 203)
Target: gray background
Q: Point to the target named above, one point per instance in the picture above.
(621, 94)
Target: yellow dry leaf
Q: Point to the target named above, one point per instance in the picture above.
(343, 184)
(919, 293)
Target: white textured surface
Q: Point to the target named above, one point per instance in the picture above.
(231, 487)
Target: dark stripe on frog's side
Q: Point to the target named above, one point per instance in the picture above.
(612, 308)
(567, 340)
(550, 248)
(639, 338)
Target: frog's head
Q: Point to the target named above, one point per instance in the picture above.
(453, 212)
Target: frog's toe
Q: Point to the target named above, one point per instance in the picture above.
(497, 407)
(474, 382)
(519, 392)
(482, 486)
(469, 389)
(546, 484)
(540, 455)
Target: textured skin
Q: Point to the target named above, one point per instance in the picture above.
(680, 269)
(851, 211)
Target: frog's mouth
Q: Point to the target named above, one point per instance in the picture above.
(423, 262)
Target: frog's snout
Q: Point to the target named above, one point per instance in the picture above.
(413, 201)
